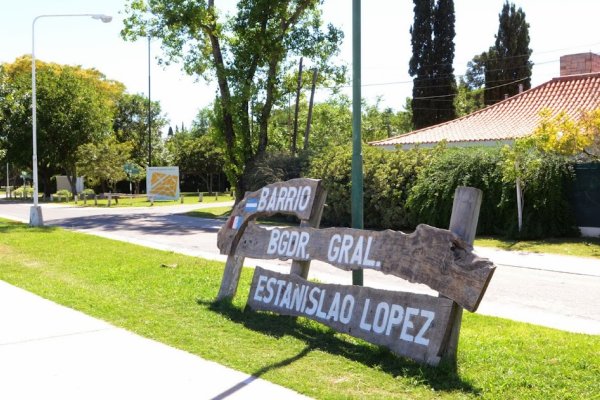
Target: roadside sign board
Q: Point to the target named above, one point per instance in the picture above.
(409, 324)
(421, 327)
(162, 183)
(131, 169)
(432, 256)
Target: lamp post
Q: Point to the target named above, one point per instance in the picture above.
(35, 213)
(149, 109)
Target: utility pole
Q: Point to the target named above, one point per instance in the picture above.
(357, 167)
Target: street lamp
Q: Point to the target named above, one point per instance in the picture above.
(35, 213)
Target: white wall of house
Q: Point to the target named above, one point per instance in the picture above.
(62, 183)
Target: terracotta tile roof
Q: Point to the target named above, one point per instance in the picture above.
(514, 117)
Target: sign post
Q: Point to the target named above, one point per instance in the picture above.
(303, 198)
(422, 327)
(131, 169)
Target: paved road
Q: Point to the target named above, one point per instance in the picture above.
(556, 291)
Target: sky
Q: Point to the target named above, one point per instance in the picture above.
(557, 27)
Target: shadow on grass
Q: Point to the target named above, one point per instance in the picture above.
(204, 214)
(7, 226)
(442, 378)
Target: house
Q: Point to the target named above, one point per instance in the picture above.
(577, 90)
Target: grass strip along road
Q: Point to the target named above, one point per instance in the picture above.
(169, 297)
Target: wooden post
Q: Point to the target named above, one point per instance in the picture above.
(109, 199)
(200, 197)
(463, 222)
(309, 190)
(231, 277)
(95, 200)
(301, 268)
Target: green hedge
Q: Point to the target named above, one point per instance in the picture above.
(405, 188)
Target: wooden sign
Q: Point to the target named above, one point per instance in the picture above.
(421, 327)
(435, 257)
(303, 198)
(409, 324)
(294, 197)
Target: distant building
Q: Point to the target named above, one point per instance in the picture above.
(576, 91)
(62, 183)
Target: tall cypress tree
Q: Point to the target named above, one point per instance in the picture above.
(434, 85)
(508, 62)
(420, 64)
(443, 47)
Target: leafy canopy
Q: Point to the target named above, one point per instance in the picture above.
(247, 53)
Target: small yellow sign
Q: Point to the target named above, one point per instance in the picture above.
(163, 183)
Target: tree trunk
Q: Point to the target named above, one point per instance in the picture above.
(310, 109)
(295, 132)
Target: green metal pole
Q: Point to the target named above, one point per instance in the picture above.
(357, 171)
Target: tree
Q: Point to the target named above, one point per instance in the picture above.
(198, 157)
(468, 100)
(102, 163)
(507, 64)
(246, 54)
(590, 123)
(432, 39)
(131, 125)
(74, 106)
(557, 136)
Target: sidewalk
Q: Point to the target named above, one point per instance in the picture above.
(48, 351)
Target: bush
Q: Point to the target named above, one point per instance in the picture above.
(333, 167)
(388, 179)
(273, 167)
(431, 198)
(64, 193)
(88, 192)
(23, 191)
(546, 211)
(405, 188)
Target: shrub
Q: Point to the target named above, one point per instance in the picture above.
(64, 193)
(388, 178)
(546, 211)
(273, 167)
(405, 188)
(23, 191)
(431, 198)
(333, 166)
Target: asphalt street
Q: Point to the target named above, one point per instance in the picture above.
(556, 291)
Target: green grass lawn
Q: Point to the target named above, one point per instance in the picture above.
(142, 201)
(127, 286)
(580, 247)
(211, 212)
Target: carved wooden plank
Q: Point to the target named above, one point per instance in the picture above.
(293, 197)
(432, 256)
(409, 324)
